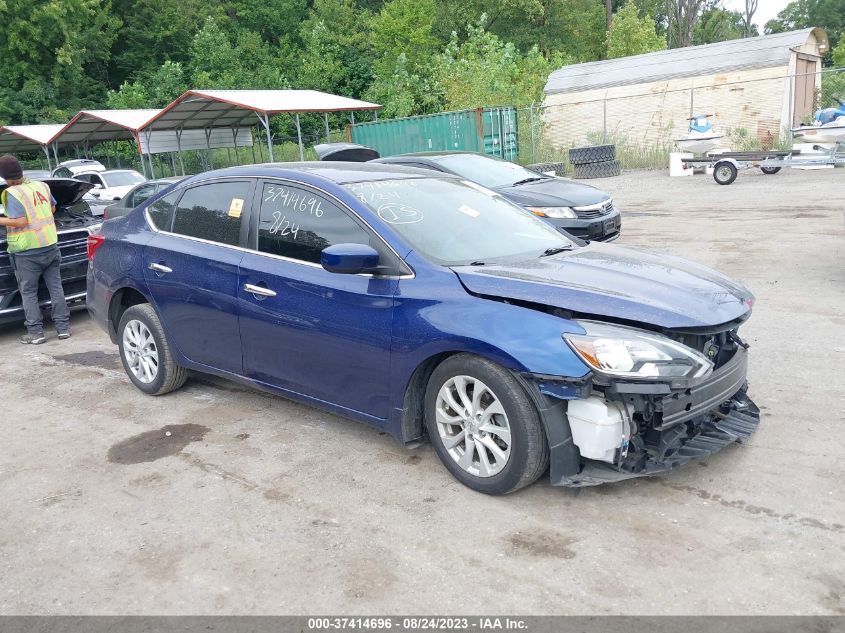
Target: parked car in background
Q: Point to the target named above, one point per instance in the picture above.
(74, 223)
(578, 209)
(36, 174)
(70, 168)
(422, 303)
(139, 194)
(112, 184)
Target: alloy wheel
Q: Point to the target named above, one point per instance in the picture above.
(140, 351)
(473, 426)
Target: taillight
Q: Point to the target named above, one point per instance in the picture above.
(94, 242)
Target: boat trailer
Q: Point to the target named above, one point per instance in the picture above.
(726, 165)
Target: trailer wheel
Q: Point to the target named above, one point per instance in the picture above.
(725, 173)
(770, 171)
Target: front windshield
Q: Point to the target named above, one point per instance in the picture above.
(123, 178)
(456, 222)
(486, 170)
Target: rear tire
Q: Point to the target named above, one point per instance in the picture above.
(145, 352)
(500, 426)
(770, 171)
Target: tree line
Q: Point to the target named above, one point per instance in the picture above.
(412, 56)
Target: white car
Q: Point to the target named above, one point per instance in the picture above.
(111, 184)
(70, 168)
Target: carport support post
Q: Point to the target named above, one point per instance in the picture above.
(326, 119)
(47, 154)
(266, 123)
(179, 147)
(208, 147)
(235, 142)
(299, 138)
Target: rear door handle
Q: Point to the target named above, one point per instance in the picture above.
(160, 268)
(259, 290)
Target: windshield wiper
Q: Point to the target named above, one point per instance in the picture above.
(554, 250)
(525, 181)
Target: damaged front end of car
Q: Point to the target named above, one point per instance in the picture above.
(651, 402)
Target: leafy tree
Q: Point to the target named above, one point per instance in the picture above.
(336, 55)
(717, 24)
(682, 16)
(64, 45)
(839, 55)
(800, 14)
(155, 31)
(630, 34)
(483, 70)
(128, 96)
(404, 45)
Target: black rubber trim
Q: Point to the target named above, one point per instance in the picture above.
(564, 456)
(695, 401)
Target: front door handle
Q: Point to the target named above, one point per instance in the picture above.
(160, 268)
(259, 290)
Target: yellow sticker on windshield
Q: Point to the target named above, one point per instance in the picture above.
(236, 207)
(468, 211)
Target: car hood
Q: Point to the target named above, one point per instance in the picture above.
(66, 191)
(617, 282)
(555, 192)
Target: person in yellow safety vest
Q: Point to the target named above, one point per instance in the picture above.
(33, 248)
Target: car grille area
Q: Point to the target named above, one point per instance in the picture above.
(594, 210)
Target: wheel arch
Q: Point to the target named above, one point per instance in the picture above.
(120, 301)
(412, 424)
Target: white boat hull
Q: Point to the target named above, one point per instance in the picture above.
(700, 145)
(821, 133)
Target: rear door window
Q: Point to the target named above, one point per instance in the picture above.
(213, 212)
(141, 194)
(299, 223)
(161, 211)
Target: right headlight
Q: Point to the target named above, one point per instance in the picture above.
(625, 352)
(556, 213)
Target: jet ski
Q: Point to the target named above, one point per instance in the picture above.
(700, 138)
(828, 126)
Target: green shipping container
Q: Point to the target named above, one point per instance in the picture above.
(488, 130)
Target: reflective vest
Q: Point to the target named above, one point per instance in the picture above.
(40, 230)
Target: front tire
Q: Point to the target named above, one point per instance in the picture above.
(146, 354)
(483, 425)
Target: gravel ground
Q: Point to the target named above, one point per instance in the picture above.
(257, 505)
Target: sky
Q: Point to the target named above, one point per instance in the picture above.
(766, 9)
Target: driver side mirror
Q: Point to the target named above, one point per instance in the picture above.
(349, 259)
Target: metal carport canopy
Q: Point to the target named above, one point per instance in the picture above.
(96, 126)
(198, 109)
(28, 138)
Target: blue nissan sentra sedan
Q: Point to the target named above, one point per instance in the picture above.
(428, 305)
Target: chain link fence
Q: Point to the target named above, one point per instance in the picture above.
(758, 113)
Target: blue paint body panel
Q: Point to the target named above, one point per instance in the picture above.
(351, 343)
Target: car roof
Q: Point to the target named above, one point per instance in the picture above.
(434, 154)
(338, 172)
(79, 162)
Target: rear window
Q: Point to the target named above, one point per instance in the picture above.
(213, 212)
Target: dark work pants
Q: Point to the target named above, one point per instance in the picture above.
(28, 270)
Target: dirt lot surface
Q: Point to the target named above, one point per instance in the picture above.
(254, 504)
